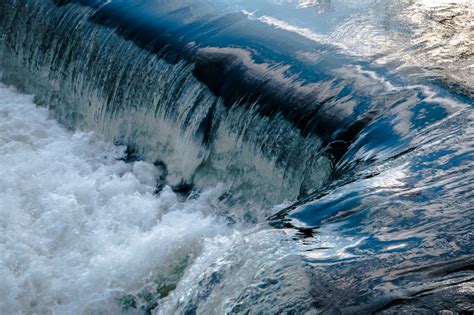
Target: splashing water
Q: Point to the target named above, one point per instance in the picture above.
(80, 227)
(83, 232)
(281, 156)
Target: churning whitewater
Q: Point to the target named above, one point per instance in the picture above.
(80, 228)
(236, 157)
(82, 231)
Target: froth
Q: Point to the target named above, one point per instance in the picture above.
(80, 228)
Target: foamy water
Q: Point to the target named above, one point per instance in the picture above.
(79, 228)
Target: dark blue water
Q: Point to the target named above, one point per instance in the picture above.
(341, 132)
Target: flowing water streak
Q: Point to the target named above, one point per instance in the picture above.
(391, 229)
(112, 84)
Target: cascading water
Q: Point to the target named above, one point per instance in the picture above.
(236, 157)
(116, 84)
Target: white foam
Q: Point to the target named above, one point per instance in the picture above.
(79, 227)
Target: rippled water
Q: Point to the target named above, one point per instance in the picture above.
(219, 157)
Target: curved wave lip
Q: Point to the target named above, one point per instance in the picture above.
(265, 157)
